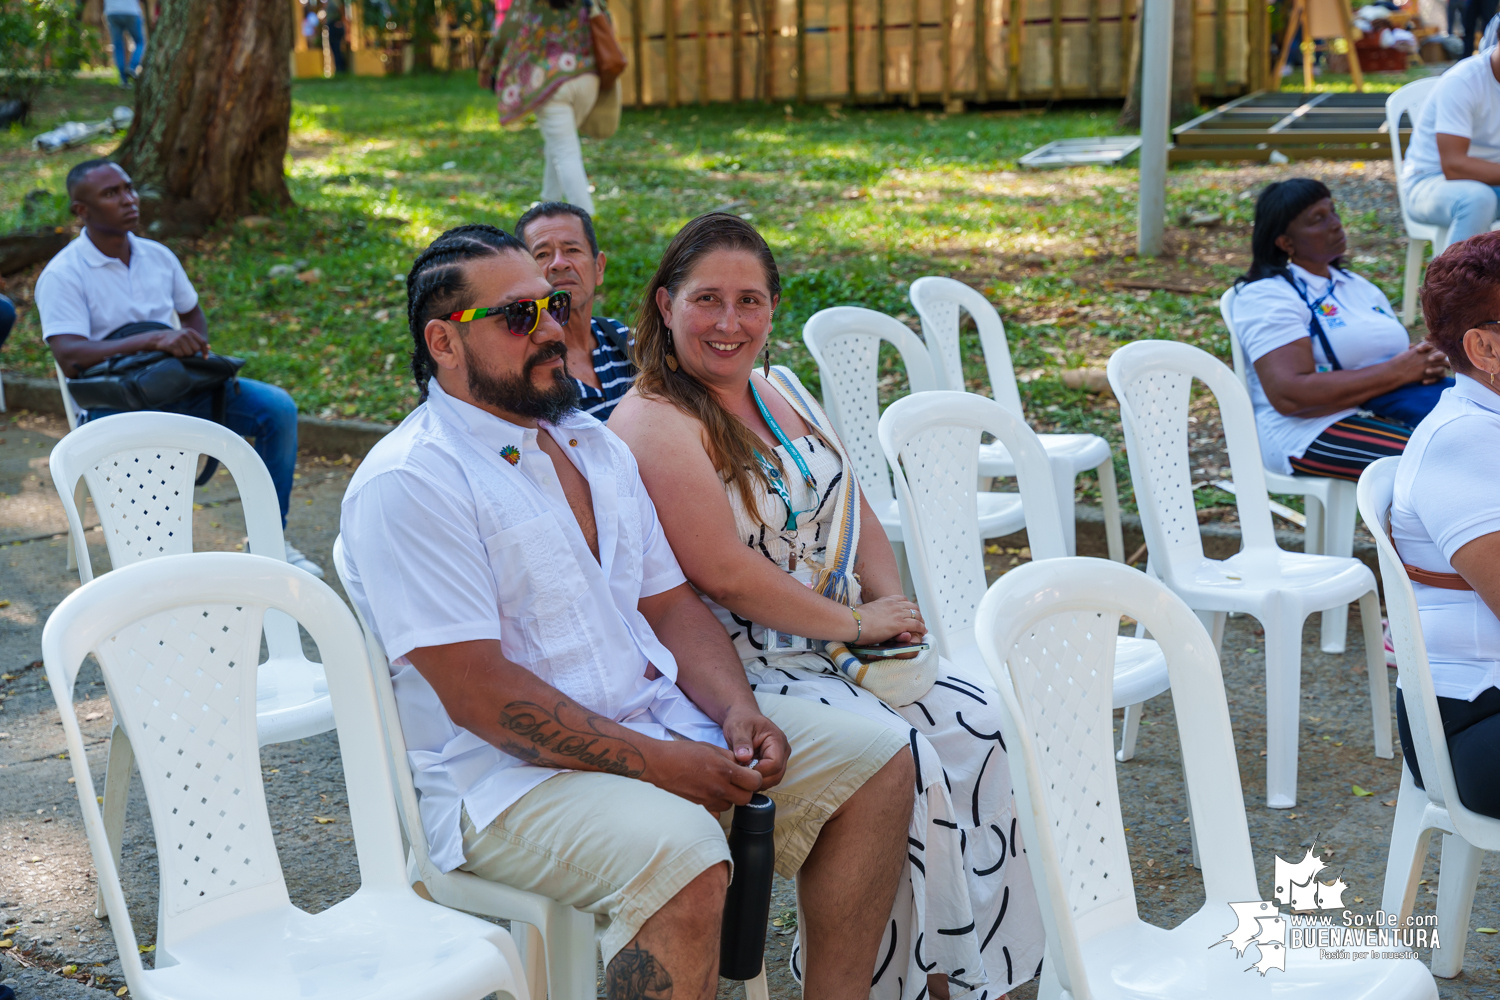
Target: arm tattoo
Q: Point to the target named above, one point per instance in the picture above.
(542, 732)
(635, 974)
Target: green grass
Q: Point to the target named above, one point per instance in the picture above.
(855, 203)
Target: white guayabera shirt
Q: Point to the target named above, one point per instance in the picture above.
(456, 528)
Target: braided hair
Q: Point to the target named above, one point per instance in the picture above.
(436, 285)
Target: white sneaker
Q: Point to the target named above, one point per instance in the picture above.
(297, 559)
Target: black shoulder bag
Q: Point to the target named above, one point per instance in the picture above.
(150, 380)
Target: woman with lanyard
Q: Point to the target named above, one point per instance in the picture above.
(756, 496)
(542, 60)
(1334, 378)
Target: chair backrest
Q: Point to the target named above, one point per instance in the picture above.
(1407, 100)
(931, 441)
(1152, 379)
(1377, 485)
(140, 469)
(1047, 633)
(178, 639)
(395, 742)
(1226, 312)
(845, 343)
(938, 302)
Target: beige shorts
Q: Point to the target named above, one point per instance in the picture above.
(621, 847)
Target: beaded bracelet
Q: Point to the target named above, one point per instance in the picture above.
(859, 625)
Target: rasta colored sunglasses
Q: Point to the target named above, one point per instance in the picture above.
(523, 315)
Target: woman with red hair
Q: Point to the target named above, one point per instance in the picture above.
(1445, 519)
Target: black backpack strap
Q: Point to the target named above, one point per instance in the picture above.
(1314, 328)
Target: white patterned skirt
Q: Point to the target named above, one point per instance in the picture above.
(967, 908)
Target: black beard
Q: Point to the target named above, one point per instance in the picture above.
(516, 393)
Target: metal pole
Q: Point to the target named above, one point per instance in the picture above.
(1156, 119)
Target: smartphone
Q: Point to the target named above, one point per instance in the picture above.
(881, 652)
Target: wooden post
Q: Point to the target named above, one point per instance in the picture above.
(801, 51)
(1095, 54)
(299, 40)
(1013, 50)
(669, 17)
(1156, 121)
(915, 59)
(851, 85)
(1255, 63)
(1056, 50)
(1221, 47)
(354, 17)
(768, 28)
(638, 43)
(981, 51)
(947, 51)
(1307, 46)
(1356, 75)
(736, 48)
(1128, 34)
(702, 51)
(880, 51)
(1293, 17)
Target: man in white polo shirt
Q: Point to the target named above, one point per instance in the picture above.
(108, 278)
(1452, 169)
(577, 721)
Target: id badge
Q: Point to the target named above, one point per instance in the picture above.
(1322, 368)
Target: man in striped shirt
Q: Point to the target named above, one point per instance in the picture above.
(561, 239)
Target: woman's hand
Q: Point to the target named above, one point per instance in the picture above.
(1420, 362)
(888, 618)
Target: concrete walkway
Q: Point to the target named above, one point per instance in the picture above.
(46, 876)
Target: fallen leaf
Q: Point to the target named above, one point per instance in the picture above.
(1339, 743)
(4, 604)
(92, 716)
(143, 948)
(34, 861)
(1359, 899)
(72, 781)
(1487, 930)
(1422, 882)
(121, 991)
(325, 819)
(1360, 791)
(1391, 802)
(68, 970)
(7, 943)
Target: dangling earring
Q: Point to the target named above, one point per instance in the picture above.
(671, 352)
(765, 368)
(1492, 380)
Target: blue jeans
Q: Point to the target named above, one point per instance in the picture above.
(253, 409)
(119, 26)
(7, 317)
(1467, 208)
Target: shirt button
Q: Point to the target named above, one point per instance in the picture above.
(573, 442)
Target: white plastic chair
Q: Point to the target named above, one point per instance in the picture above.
(845, 343)
(554, 938)
(1152, 380)
(938, 302)
(1408, 100)
(931, 440)
(178, 639)
(1329, 502)
(1418, 813)
(139, 468)
(1046, 630)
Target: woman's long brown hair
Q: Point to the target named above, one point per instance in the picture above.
(731, 445)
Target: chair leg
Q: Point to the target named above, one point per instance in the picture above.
(116, 796)
(1409, 840)
(1283, 642)
(572, 955)
(529, 942)
(756, 989)
(73, 543)
(1214, 622)
(1312, 534)
(1456, 882)
(1413, 278)
(1063, 480)
(1109, 495)
(1338, 540)
(1130, 727)
(1187, 798)
(986, 483)
(1380, 689)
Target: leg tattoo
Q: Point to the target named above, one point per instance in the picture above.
(635, 974)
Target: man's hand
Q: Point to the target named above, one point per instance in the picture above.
(753, 737)
(180, 343)
(701, 773)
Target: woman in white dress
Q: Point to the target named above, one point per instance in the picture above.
(752, 489)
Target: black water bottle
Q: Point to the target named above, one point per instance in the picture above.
(747, 906)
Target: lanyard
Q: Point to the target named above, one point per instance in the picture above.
(772, 473)
(1314, 327)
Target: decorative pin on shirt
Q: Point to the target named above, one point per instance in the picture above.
(511, 454)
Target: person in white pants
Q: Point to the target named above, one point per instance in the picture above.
(542, 61)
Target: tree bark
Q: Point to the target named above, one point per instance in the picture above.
(212, 114)
(1184, 73)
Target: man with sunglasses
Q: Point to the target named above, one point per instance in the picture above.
(576, 719)
(561, 240)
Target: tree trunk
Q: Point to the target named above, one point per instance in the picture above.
(1184, 20)
(212, 113)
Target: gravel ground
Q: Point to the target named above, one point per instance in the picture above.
(46, 877)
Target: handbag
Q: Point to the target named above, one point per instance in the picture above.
(609, 58)
(1405, 406)
(150, 380)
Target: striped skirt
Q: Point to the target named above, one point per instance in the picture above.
(1344, 449)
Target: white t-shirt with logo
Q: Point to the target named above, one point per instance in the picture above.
(1358, 320)
(1465, 102)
